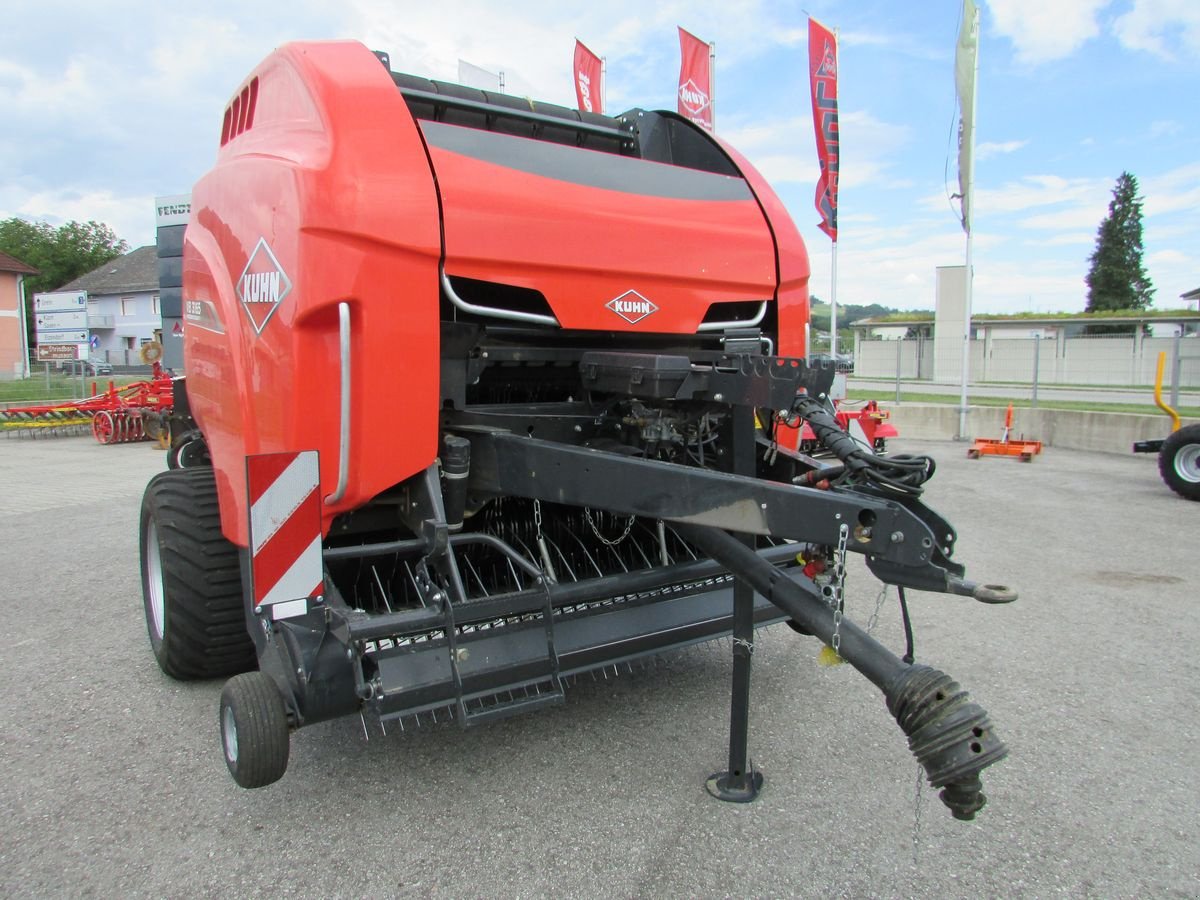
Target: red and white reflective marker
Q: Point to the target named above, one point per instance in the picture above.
(285, 531)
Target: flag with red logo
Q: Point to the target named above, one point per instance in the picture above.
(822, 67)
(695, 79)
(587, 79)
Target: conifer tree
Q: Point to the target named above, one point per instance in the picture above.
(1117, 279)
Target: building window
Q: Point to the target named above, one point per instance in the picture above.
(155, 307)
(128, 306)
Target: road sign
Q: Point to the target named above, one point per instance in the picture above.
(95, 342)
(53, 352)
(61, 321)
(69, 336)
(60, 301)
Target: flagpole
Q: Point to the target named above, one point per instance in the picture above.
(712, 84)
(969, 208)
(833, 306)
(833, 271)
(603, 83)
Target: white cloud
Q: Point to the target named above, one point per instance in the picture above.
(1031, 192)
(988, 149)
(1065, 240)
(1046, 30)
(131, 217)
(783, 150)
(1165, 128)
(1177, 190)
(1166, 28)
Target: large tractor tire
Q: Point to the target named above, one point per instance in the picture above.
(1179, 462)
(191, 580)
(254, 730)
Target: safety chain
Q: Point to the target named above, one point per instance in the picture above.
(879, 601)
(543, 547)
(587, 514)
(834, 592)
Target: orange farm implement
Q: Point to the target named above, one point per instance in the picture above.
(1007, 445)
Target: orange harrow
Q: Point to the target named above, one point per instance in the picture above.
(1006, 446)
(135, 412)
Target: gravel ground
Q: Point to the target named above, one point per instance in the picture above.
(112, 781)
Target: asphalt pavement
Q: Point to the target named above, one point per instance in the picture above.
(112, 782)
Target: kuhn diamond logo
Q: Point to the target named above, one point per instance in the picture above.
(631, 306)
(693, 98)
(262, 285)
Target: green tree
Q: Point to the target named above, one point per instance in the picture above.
(1117, 279)
(60, 254)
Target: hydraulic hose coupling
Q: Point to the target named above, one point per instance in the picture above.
(950, 735)
(456, 466)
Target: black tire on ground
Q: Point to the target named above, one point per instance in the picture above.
(1179, 462)
(191, 580)
(254, 730)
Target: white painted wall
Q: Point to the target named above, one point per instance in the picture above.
(118, 326)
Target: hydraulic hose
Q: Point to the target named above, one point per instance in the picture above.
(902, 473)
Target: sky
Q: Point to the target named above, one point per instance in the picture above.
(108, 105)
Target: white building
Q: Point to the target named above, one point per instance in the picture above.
(123, 307)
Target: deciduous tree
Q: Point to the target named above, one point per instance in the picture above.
(60, 254)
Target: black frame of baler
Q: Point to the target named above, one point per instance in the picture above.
(897, 534)
(905, 543)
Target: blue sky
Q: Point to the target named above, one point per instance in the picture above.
(108, 105)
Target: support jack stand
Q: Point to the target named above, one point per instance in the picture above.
(740, 783)
(735, 789)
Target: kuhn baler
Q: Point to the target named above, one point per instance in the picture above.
(482, 394)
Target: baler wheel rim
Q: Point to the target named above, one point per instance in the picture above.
(154, 581)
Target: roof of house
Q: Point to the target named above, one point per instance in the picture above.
(12, 264)
(137, 270)
(1191, 295)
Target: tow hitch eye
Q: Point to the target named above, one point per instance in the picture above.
(994, 593)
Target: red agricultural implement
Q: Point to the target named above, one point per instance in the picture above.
(117, 415)
(588, 455)
(868, 425)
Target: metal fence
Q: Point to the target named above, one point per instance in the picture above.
(1117, 361)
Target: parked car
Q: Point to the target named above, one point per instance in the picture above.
(92, 366)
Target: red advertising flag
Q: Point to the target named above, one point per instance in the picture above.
(822, 67)
(587, 79)
(695, 79)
